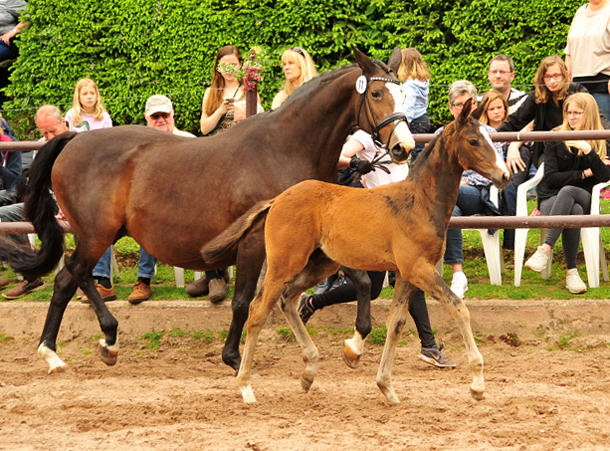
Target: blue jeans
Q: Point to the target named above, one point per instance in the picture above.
(146, 266)
(8, 52)
(468, 204)
(603, 103)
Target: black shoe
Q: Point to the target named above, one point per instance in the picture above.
(325, 285)
(435, 357)
(305, 310)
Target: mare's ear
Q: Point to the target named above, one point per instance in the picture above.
(463, 117)
(395, 60)
(363, 61)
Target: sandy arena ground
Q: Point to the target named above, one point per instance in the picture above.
(550, 393)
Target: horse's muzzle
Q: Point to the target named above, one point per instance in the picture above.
(502, 181)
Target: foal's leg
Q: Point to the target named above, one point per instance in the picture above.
(63, 290)
(432, 283)
(250, 258)
(403, 295)
(259, 311)
(354, 347)
(310, 276)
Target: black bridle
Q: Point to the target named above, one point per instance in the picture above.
(377, 126)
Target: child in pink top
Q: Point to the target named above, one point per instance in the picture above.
(87, 112)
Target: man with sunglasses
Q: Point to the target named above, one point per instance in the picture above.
(159, 114)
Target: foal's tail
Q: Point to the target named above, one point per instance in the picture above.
(40, 209)
(224, 243)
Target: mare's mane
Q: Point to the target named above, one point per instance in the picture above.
(309, 87)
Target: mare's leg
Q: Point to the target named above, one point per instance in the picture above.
(250, 258)
(64, 289)
(313, 273)
(431, 282)
(80, 266)
(403, 294)
(354, 347)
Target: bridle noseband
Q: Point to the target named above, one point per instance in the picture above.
(377, 126)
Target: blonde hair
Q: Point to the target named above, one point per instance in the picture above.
(543, 94)
(215, 98)
(489, 97)
(98, 112)
(412, 66)
(301, 58)
(588, 121)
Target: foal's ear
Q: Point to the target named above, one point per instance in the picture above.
(363, 61)
(463, 117)
(395, 60)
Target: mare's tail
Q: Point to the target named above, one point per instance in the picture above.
(40, 209)
(227, 240)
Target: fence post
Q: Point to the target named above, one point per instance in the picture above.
(251, 102)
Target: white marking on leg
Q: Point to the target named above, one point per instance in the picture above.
(55, 363)
(114, 348)
(356, 344)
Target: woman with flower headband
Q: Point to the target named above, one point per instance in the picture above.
(298, 68)
(571, 169)
(219, 99)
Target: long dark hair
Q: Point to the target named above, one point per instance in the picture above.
(218, 82)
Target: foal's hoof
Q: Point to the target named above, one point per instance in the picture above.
(108, 356)
(306, 384)
(59, 369)
(350, 357)
(477, 395)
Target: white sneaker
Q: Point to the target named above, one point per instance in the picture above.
(574, 283)
(538, 261)
(459, 284)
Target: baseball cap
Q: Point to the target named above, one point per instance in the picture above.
(158, 104)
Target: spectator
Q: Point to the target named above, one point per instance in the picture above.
(10, 11)
(415, 76)
(219, 99)
(361, 144)
(571, 170)
(474, 187)
(588, 51)
(500, 74)
(87, 112)
(544, 106)
(51, 124)
(298, 68)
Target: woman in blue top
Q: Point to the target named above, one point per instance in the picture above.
(415, 76)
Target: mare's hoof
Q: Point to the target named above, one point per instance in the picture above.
(59, 369)
(478, 395)
(350, 357)
(108, 357)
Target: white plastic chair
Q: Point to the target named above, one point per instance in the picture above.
(521, 234)
(592, 245)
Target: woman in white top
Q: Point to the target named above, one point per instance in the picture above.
(298, 68)
(588, 51)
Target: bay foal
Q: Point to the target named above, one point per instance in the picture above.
(314, 227)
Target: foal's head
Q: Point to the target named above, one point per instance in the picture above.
(380, 108)
(474, 150)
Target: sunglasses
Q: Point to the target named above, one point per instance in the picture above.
(298, 50)
(159, 115)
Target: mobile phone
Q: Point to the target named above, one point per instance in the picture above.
(230, 99)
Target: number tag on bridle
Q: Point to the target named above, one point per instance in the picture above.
(361, 84)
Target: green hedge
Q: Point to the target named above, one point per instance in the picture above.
(137, 48)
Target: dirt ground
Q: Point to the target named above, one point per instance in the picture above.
(550, 393)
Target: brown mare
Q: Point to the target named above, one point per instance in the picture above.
(314, 227)
(173, 194)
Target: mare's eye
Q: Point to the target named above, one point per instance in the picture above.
(473, 141)
(377, 95)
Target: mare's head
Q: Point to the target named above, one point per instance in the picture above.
(380, 107)
(474, 148)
